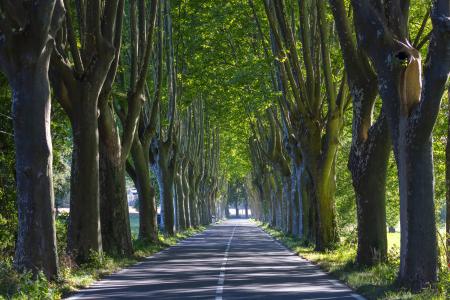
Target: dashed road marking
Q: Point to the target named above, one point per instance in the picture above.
(221, 281)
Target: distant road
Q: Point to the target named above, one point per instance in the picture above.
(231, 260)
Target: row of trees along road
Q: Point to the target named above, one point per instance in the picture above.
(95, 56)
(295, 142)
(319, 113)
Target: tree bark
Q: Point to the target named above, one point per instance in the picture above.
(27, 43)
(326, 233)
(192, 197)
(307, 204)
(84, 223)
(148, 227)
(36, 240)
(368, 165)
(114, 215)
(447, 181)
(185, 183)
(180, 200)
(297, 215)
(164, 171)
(370, 148)
(78, 84)
(411, 119)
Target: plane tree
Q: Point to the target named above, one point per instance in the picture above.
(370, 147)
(85, 50)
(28, 32)
(411, 101)
(115, 146)
(315, 101)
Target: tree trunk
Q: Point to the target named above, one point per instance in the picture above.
(368, 165)
(246, 208)
(236, 207)
(84, 233)
(192, 199)
(180, 200)
(297, 209)
(148, 227)
(187, 208)
(287, 204)
(36, 240)
(413, 151)
(418, 261)
(370, 148)
(306, 202)
(411, 102)
(326, 235)
(114, 216)
(165, 175)
(447, 180)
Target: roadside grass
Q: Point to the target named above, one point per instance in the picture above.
(14, 285)
(377, 282)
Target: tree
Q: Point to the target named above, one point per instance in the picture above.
(28, 33)
(114, 147)
(271, 146)
(85, 51)
(140, 150)
(411, 103)
(163, 144)
(302, 104)
(370, 148)
(447, 181)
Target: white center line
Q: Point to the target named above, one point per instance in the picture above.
(221, 280)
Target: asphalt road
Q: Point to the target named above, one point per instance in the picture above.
(231, 260)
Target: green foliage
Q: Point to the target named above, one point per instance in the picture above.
(14, 285)
(8, 210)
(62, 155)
(225, 66)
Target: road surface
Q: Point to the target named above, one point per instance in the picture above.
(231, 260)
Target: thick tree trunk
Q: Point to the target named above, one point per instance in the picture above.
(308, 207)
(148, 227)
(84, 233)
(326, 235)
(413, 151)
(297, 209)
(114, 216)
(192, 199)
(411, 102)
(165, 175)
(287, 204)
(187, 208)
(370, 145)
(278, 197)
(36, 239)
(319, 192)
(447, 181)
(324, 185)
(166, 200)
(27, 42)
(418, 261)
(180, 201)
(368, 165)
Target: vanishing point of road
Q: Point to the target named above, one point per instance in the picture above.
(231, 260)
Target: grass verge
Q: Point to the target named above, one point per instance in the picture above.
(14, 285)
(377, 282)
